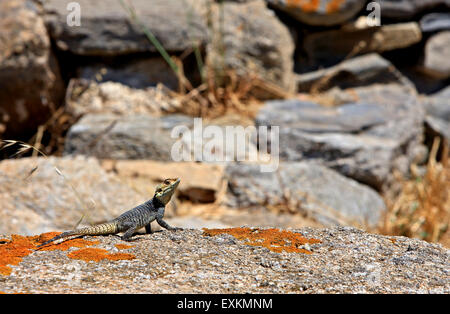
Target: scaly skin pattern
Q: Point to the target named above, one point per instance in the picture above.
(134, 219)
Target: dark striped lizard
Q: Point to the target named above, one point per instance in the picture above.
(134, 219)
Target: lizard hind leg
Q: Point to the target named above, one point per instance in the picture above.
(129, 228)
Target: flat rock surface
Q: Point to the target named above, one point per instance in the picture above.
(105, 28)
(339, 260)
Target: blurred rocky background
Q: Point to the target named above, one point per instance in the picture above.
(358, 88)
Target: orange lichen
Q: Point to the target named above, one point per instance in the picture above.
(305, 5)
(121, 246)
(274, 239)
(96, 254)
(333, 6)
(12, 252)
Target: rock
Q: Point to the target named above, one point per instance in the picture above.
(167, 138)
(134, 136)
(47, 200)
(139, 74)
(106, 30)
(342, 260)
(445, 92)
(407, 9)
(437, 50)
(115, 98)
(434, 22)
(361, 139)
(251, 41)
(311, 189)
(335, 45)
(30, 83)
(202, 182)
(319, 13)
(359, 71)
(438, 115)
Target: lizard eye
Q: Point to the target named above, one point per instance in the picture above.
(167, 181)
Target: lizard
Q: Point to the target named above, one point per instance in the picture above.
(133, 219)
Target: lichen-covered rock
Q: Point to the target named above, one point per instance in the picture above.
(237, 260)
(320, 13)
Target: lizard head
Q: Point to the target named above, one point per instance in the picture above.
(165, 190)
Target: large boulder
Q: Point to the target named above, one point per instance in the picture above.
(106, 28)
(308, 188)
(30, 82)
(235, 260)
(380, 130)
(319, 13)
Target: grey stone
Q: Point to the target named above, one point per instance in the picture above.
(115, 98)
(314, 118)
(437, 50)
(361, 140)
(141, 73)
(335, 45)
(438, 115)
(251, 41)
(319, 13)
(407, 9)
(434, 22)
(311, 189)
(106, 29)
(359, 71)
(135, 136)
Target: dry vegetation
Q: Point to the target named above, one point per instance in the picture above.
(422, 209)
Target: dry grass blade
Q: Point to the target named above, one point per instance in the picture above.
(26, 147)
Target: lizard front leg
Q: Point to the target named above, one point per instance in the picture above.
(162, 223)
(148, 228)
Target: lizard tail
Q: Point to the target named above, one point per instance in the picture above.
(61, 236)
(101, 229)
